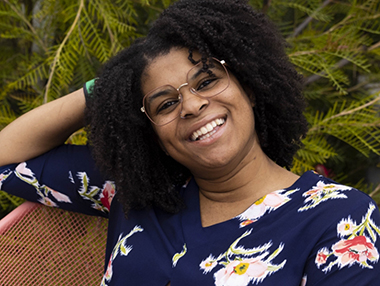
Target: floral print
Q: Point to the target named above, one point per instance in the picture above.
(346, 227)
(26, 175)
(355, 247)
(266, 204)
(100, 197)
(241, 272)
(322, 192)
(241, 266)
(120, 248)
(321, 257)
(304, 280)
(4, 176)
(208, 264)
(177, 256)
(107, 194)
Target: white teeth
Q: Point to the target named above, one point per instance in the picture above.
(219, 121)
(207, 130)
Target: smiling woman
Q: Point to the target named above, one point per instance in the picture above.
(196, 126)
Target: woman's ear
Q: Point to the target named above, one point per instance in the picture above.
(162, 147)
(158, 141)
(252, 102)
(250, 95)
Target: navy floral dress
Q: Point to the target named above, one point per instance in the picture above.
(314, 233)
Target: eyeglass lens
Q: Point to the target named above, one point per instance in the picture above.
(164, 104)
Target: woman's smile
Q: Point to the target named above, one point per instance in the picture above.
(207, 130)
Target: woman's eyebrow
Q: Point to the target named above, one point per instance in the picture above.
(200, 71)
(158, 94)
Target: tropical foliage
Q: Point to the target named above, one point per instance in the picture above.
(49, 48)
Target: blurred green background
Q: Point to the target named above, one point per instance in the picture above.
(49, 48)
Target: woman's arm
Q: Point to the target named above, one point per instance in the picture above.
(42, 129)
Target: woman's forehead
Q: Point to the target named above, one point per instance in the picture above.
(170, 68)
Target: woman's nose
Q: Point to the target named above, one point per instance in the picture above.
(192, 104)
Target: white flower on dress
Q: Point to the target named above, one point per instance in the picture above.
(346, 227)
(241, 272)
(208, 264)
(241, 266)
(264, 205)
(269, 201)
(322, 192)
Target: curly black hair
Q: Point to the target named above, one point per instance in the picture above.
(123, 141)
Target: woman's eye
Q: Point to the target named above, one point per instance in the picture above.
(206, 83)
(167, 106)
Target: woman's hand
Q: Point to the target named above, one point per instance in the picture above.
(42, 129)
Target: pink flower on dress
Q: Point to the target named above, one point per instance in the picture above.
(107, 194)
(358, 249)
(109, 271)
(47, 202)
(321, 187)
(240, 273)
(303, 281)
(259, 208)
(59, 196)
(23, 170)
(321, 257)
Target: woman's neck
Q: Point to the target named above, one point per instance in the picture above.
(229, 194)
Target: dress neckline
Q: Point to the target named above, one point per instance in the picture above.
(191, 216)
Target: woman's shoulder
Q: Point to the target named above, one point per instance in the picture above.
(325, 202)
(316, 189)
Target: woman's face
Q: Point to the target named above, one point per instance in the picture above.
(228, 118)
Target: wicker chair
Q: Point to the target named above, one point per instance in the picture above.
(47, 246)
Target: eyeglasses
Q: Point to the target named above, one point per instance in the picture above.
(164, 104)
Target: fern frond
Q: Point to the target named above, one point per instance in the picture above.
(316, 150)
(373, 28)
(8, 203)
(356, 124)
(93, 39)
(31, 78)
(300, 166)
(58, 52)
(27, 103)
(358, 138)
(356, 58)
(313, 12)
(78, 138)
(7, 115)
